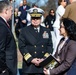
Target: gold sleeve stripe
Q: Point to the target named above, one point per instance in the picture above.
(46, 54)
(27, 56)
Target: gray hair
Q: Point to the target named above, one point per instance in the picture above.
(4, 4)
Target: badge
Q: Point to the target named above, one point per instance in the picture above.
(51, 22)
(45, 35)
(35, 11)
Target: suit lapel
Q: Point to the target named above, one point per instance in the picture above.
(5, 24)
(33, 34)
(32, 31)
(36, 36)
(40, 34)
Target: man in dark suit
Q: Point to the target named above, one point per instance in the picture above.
(23, 14)
(8, 53)
(22, 17)
(35, 44)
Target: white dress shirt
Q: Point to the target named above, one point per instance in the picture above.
(38, 28)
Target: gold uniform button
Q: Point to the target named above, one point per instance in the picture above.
(35, 46)
(35, 52)
(42, 45)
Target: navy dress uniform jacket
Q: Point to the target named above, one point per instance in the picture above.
(8, 52)
(34, 45)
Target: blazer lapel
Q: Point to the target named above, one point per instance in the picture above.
(64, 45)
(56, 53)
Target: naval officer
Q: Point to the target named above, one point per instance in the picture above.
(35, 44)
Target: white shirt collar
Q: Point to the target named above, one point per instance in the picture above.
(37, 28)
(3, 18)
(24, 7)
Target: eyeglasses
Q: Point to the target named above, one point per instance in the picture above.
(51, 12)
(37, 18)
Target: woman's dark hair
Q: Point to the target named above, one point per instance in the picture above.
(51, 10)
(34, 5)
(59, 2)
(70, 27)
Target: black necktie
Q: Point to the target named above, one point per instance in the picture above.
(36, 30)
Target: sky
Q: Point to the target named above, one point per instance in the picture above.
(39, 2)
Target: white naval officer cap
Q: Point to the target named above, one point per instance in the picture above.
(36, 12)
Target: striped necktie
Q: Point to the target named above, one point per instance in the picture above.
(8, 25)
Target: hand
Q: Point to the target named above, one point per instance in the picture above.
(35, 61)
(16, 20)
(47, 26)
(46, 71)
(41, 60)
(58, 59)
(19, 13)
(23, 21)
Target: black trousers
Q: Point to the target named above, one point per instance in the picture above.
(5, 72)
(32, 74)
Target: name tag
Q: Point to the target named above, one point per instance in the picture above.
(51, 22)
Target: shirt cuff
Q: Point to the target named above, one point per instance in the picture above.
(48, 71)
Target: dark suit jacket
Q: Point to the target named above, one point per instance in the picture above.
(34, 45)
(8, 47)
(68, 59)
(23, 15)
(49, 20)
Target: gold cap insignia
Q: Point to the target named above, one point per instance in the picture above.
(35, 11)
